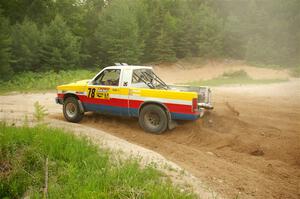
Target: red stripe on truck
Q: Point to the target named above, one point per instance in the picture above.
(173, 108)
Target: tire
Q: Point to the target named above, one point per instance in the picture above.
(71, 110)
(153, 119)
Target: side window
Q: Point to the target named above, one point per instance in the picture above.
(109, 77)
(136, 77)
(141, 77)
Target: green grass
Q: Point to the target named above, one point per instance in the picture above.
(270, 66)
(294, 69)
(77, 168)
(295, 72)
(30, 81)
(235, 77)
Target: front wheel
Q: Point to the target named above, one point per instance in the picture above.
(153, 119)
(71, 110)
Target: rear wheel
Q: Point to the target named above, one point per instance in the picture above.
(72, 110)
(153, 119)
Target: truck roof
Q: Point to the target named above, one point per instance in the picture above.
(129, 67)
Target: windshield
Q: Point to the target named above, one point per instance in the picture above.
(148, 77)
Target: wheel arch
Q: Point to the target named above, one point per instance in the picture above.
(164, 107)
(67, 95)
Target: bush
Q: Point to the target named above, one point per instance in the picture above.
(235, 74)
(295, 72)
(239, 77)
(29, 81)
(5, 49)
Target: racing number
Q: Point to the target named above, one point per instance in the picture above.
(100, 94)
(91, 92)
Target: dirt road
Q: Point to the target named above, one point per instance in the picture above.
(249, 146)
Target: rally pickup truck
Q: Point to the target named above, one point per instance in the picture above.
(134, 91)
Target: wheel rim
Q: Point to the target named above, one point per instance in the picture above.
(152, 119)
(71, 110)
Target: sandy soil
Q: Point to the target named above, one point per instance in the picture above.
(248, 146)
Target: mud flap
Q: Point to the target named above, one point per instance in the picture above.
(202, 111)
(172, 124)
(80, 106)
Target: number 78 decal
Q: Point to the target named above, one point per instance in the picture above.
(100, 93)
(91, 92)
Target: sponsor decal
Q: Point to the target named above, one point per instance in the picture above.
(80, 93)
(103, 95)
(103, 90)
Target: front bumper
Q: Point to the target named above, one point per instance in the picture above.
(59, 100)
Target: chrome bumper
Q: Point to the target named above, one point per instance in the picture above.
(205, 105)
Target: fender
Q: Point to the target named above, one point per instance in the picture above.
(72, 94)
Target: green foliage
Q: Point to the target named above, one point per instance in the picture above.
(36, 10)
(159, 41)
(77, 169)
(164, 50)
(5, 49)
(295, 72)
(210, 35)
(235, 74)
(26, 46)
(61, 49)
(29, 81)
(117, 34)
(39, 112)
(66, 34)
(262, 31)
(239, 77)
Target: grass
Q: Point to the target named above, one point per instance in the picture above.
(30, 81)
(294, 69)
(295, 72)
(77, 168)
(270, 66)
(39, 112)
(234, 77)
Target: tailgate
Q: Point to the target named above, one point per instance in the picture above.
(204, 98)
(204, 94)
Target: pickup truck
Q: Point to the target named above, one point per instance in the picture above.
(134, 91)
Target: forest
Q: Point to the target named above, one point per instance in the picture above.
(43, 35)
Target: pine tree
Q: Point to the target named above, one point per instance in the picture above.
(117, 34)
(26, 45)
(183, 41)
(160, 40)
(61, 49)
(210, 36)
(5, 50)
(164, 50)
